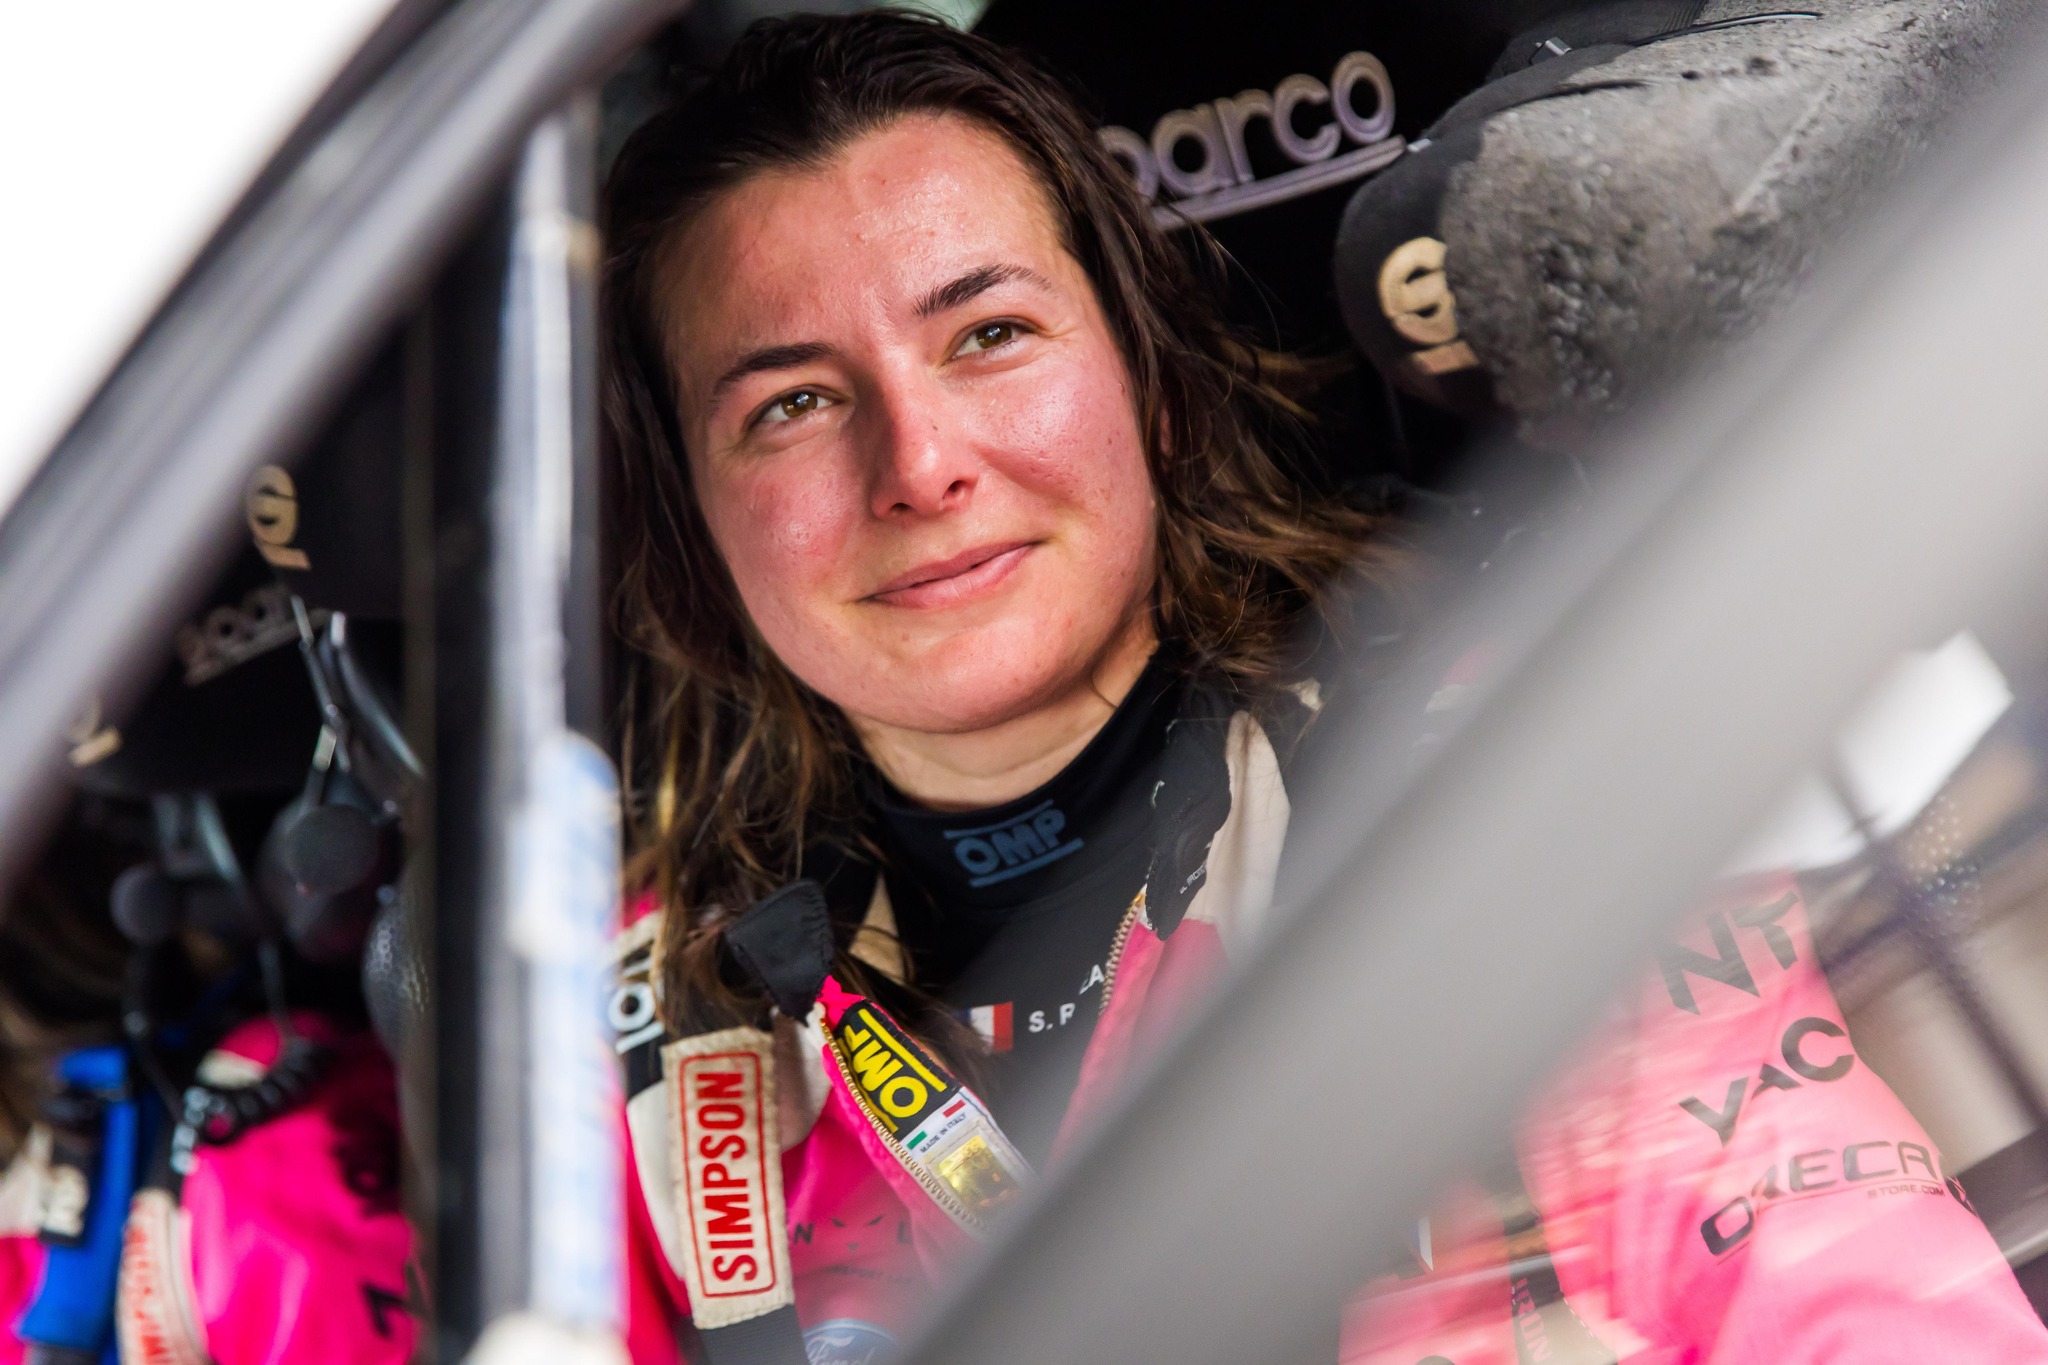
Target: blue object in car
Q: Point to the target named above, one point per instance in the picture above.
(73, 1310)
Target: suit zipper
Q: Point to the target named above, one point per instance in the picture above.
(933, 1186)
(1116, 951)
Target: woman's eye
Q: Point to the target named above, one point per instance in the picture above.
(791, 406)
(989, 336)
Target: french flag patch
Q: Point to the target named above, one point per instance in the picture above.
(992, 1022)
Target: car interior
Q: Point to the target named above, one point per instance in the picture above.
(1557, 278)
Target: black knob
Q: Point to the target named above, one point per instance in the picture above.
(331, 849)
(146, 906)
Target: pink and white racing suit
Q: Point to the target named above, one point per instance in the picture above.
(286, 1245)
(1717, 1178)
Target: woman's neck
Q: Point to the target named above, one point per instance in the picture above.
(987, 767)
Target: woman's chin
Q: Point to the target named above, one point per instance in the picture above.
(928, 709)
(963, 674)
(962, 694)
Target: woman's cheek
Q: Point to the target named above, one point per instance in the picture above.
(1077, 441)
(785, 532)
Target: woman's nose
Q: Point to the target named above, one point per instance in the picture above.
(920, 463)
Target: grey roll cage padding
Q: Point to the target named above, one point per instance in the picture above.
(1600, 240)
(1864, 480)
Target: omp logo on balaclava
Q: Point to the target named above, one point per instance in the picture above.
(1024, 843)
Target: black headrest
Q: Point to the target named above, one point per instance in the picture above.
(330, 525)
(234, 709)
(1393, 282)
(1389, 261)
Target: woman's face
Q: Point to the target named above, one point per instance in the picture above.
(911, 430)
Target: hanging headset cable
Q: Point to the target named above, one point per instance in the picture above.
(218, 1114)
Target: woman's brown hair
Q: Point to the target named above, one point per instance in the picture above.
(733, 763)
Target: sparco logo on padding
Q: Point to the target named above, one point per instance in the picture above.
(1356, 105)
(1021, 844)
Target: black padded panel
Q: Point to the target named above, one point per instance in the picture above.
(1135, 61)
(1138, 61)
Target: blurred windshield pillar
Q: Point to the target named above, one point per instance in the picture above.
(561, 855)
(527, 804)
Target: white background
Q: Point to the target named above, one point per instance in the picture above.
(128, 128)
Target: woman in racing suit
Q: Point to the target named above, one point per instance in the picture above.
(965, 580)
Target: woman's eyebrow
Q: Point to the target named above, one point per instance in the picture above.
(767, 358)
(979, 280)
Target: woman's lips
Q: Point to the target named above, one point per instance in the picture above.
(954, 580)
